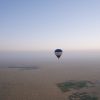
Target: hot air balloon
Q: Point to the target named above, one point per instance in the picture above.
(58, 53)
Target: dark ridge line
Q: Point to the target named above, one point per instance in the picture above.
(22, 67)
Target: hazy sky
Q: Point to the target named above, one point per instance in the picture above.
(49, 24)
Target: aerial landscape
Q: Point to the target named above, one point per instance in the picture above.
(64, 79)
(49, 50)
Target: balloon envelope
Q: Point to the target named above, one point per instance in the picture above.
(58, 53)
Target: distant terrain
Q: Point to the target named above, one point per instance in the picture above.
(26, 68)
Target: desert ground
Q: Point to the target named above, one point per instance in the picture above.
(41, 83)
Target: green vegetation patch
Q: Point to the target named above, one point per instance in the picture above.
(82, 96)
(67, 86)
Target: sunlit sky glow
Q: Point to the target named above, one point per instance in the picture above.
(49, 24)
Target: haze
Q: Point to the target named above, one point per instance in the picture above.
(30, 31)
